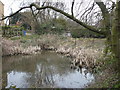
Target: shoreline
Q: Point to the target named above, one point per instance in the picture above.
(81, 56)
(86, 53)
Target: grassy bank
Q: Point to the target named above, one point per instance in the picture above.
(107, 75)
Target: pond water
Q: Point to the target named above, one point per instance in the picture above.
(47, 69)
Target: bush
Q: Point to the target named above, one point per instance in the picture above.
(77, 33)
(52, 26)
(10, 31)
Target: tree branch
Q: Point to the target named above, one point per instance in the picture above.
(34, 15)
(72, 7)
(91, 28)
(15, 13)
(103, 9)
(87, 11)
(106, 16)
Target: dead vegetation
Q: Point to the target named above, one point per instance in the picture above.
(84, 52)
(10, 47)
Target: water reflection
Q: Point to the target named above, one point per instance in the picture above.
(47, 69)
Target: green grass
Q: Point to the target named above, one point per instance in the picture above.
(25, 37)
(117, 85)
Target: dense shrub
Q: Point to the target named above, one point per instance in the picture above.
(10, 31)
(52, 26)
(77, 33)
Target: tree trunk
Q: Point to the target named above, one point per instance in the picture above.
(116, 34)
(106, 22)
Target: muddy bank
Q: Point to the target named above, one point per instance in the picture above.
(106, 77)
(84, 52)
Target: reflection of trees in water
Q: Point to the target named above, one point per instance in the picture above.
(40, 69)
(47, 68)
(18, 63)
(42, 77)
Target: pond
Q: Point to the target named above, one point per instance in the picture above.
(46, 69)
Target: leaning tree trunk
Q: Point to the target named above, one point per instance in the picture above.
(106, 22)
(116, 34)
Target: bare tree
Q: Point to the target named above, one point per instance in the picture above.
(112, 35)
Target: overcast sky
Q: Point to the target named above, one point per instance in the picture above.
(10, 4)
(14, 5)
